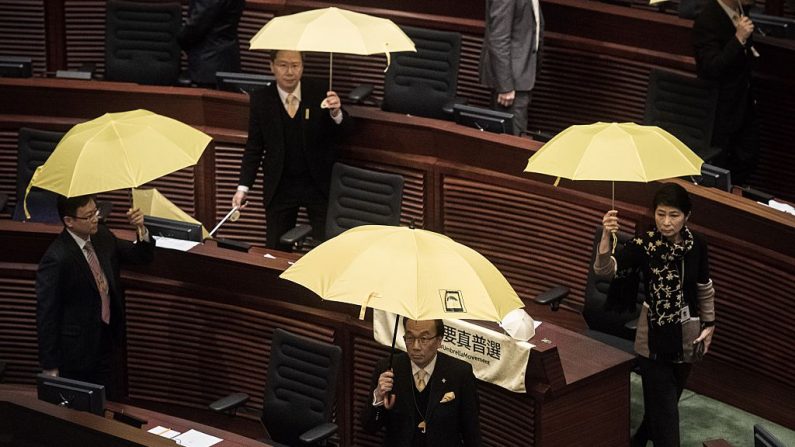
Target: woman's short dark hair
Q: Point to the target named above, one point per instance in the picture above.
(672, 194)
(439, 326)
(67, 206)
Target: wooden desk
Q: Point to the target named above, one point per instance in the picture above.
(199, 326)
(24, 418)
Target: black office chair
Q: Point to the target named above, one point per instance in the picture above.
(33, 149)
(357, 196)
(299, 393)
(3, 201)
(422, 83)
(2, 371)
(685, 107)
(141, 42)
(612, 327)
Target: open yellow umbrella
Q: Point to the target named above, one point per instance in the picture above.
(332, 30)
(616, 152)
(415, 273)
(119, 150)
(153, 203)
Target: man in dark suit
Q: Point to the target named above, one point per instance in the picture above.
(79, 296)
(722, 36)
(293, 126)
(209, 37)
(427, 398)
(509, 57)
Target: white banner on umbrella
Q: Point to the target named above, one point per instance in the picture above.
(496, 358)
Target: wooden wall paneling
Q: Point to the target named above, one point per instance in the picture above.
(85, 33)
(208, 346)
(494, 419)
(22, 32)
(366, 353)
(251, 225)
(19, 347)
(254, 18)
(8, 169)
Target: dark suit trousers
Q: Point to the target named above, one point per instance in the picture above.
(663, 383)
(282, 212)
(519, 108)
(102, 373)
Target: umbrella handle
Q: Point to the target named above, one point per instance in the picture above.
(330, 65)
(394, 338)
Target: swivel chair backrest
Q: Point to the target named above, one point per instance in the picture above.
(301, 387)
(360, 196)
(685, 107)
(600, 320)
(33, 149)
(422, 83)
(141, 42)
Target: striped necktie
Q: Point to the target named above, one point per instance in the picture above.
(99, 277)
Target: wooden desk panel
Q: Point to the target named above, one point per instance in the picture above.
(66, 427)
(192, 337)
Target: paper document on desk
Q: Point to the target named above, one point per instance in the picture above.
(193, 438)
(163, 431)
(174, 244)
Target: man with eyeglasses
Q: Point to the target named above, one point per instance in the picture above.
(79, 297)
(294, 125)
(428, 398)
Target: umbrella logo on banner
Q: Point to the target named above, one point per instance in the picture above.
(453, 300)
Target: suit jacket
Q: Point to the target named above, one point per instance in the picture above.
(266, 146)
(452, 423)
(209, 36)
(68, 310)
(509, 57)
(721, 58)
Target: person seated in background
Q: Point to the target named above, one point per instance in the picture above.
(79, 295)
(209, 37)
(677, 319)
(427, 398)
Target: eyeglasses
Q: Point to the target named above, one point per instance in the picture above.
(93, 215)
(282, 66)
(423, 340)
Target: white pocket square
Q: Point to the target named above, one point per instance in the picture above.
(448, 396)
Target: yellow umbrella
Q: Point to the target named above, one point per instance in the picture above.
(332, 30)
(616, 152)
(154, 204)
(119, 150)
(415, 273)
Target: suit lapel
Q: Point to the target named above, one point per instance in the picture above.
(74, 252)
(437, 385)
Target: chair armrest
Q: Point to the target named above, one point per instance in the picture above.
(360, 93)
(449, 105)
(632, 325)
(229, 403)
(553, 297)
(318, 433)
(296, 234)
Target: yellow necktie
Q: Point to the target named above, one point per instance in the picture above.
(420, 380)
(292, 105)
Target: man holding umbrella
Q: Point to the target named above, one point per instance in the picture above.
(425, 398)
(292, 137)
(79, 296)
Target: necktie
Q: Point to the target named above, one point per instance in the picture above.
(420, 380)
(292, 105)
(99, 277)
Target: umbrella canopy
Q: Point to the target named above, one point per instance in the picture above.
(615, 151)
(419, 274)
(119, 150)
(154, 204)
(332, 30)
